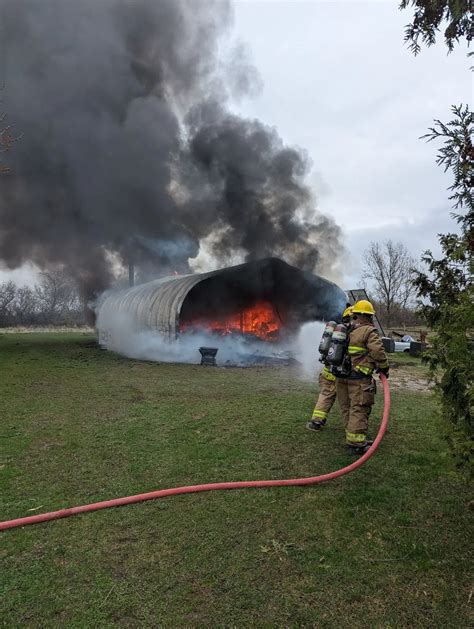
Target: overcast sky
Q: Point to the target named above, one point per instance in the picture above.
(339, 82)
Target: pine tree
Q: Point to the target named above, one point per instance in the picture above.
(456, 15)
(447, 293)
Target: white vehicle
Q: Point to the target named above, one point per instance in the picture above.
(403, 345)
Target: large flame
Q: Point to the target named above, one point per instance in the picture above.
(260, 320)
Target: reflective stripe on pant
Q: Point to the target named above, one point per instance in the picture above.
(326, 398)
(356, 398)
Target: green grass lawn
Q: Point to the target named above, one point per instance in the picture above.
(386, 546)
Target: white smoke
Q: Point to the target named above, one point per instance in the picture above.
(118, 333)
(306, 349)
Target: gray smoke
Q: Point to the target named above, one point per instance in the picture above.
(255, 195)
(127, 145)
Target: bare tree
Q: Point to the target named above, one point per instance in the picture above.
(57, 296)
(54, 301)
(7, 295)
(388, 272)
(25, 306)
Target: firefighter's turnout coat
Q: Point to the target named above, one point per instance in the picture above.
(356, 392)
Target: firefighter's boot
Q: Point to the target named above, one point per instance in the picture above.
(316, 424)
(359, 450)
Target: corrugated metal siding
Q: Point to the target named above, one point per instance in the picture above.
(155, 305)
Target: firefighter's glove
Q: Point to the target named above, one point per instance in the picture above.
(383, 370)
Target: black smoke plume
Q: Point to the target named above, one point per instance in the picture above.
(127, 144)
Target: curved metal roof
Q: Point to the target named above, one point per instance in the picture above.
(157, 304)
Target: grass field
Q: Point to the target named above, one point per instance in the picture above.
(387, 546)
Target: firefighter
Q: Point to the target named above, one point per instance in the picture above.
(356, 392)
(327, 389)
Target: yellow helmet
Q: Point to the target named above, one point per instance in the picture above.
(363, 307)
(347, 313)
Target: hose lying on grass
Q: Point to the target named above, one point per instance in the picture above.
(174, 491)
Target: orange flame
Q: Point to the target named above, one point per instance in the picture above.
(260, 320)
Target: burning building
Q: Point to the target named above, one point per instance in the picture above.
(266, 300)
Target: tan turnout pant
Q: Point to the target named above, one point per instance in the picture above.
(326, 398)
(356, 398)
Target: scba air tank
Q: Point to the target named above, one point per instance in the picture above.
(337, 348)
(326, 338)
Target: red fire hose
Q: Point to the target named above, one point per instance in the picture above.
(162, 493)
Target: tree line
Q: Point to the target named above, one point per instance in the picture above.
(54, 300)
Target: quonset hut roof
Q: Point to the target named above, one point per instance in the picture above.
(299, 296)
